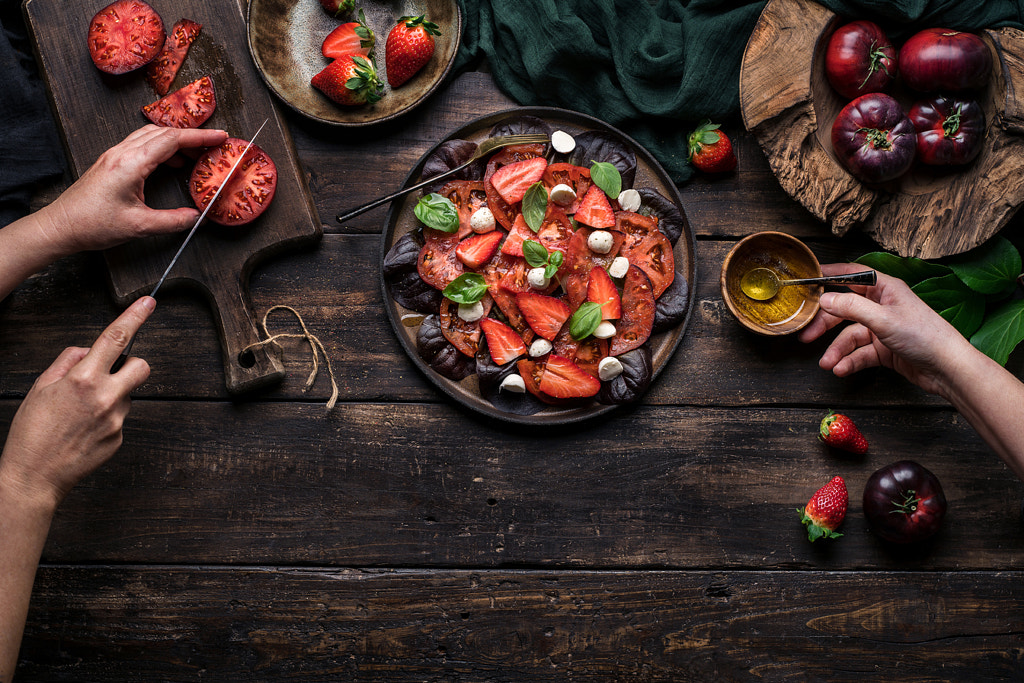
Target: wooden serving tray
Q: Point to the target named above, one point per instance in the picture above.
(97, 110)
(788, 104)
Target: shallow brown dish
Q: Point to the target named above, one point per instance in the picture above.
(285, 38)
(401, 220)
(788, 104)
(794, 306)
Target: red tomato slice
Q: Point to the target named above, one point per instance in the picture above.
(467, 196)
(188, 107)
(498, 270)
(580, 260)
(532, 373)
(465, 336)
(647, 248)
(637, 321)
(576, 177)
(248, 192)
(161, 71)
(555, 231)
(438, 263)
(125, 35)
(587, 354)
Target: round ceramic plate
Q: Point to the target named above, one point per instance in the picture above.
(285, 38)
(401, 220)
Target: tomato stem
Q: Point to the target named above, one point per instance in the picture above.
(878, 138)
(908, 505)
(951, 125)
(876, 56)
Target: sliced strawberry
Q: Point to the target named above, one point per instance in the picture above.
(512, 181)
(354, 37)
(495, 273)
(564, 379)
(187, 107)
(519, 233)
(477, 250)
(601, 290)
(587, 354)
(580, 260)
(595, 209)
(545, 314)
(161, 71)
(503, 342)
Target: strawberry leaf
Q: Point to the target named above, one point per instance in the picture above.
(1001, 332)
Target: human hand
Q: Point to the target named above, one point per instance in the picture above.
(70, 422)
(892, 327)
(106, 205)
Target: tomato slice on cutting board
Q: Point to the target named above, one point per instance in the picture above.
(188, 107)
(161, 71)
(124, 36)
(248, 192)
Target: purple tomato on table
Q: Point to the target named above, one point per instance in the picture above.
(860, 59)
(940, 59)
(873, 139)
(904, 502)
(950, 130)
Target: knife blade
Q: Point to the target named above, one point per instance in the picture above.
(119, 363)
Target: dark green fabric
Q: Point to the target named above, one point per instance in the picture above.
(655, 69)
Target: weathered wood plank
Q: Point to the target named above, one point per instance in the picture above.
(426, 485)
(197, 624)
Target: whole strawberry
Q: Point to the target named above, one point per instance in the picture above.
(349, 80)
(409, 47)
(839, 431)
(337, 7)
(710, 149)
(825, 510)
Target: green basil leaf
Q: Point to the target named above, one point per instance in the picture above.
(535, 205)
(437, 212)
(467, 288)
(954, 301)
(557, 258)
(990, 268)
(535, 253)
(910, 270)
(550, 270)
(607, 177)
(1001, 332)
(585, 320)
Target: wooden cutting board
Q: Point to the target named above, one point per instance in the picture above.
(97, 110)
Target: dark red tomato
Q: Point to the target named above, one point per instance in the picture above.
(860, 59)
(637, 321)
(125, 35)
(940, 59)
(532, 373)
(465, 336)
(555, 230)
(161, 71)
(576, 177)
(467, 196)
(950, 130)
(647, 248)
(586, 354)
(499, 273)
(904, 502)
(873, 139)
(248, 192)
(187, 107)
(438, 262)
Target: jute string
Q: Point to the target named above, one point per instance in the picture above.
(314, 344)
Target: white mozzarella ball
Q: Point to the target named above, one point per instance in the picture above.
(619, 267)
(629, 200)
(600, 241)
(471, 312)
(562, 194)
(609, 368)
(513, 383)
(605, 330)
(536, 278)
(539, 347)
(562, 142)
(482, 220)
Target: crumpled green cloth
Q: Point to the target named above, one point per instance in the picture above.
(655, 68)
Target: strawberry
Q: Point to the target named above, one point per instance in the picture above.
(564, 379)
(710, 149)
(409, 47)
(595, 209)
(544, 314)
(503, 343)
(839, 431)
(519, 233)
(511, 181)
(601, 290)
(825, 510)
(337, 7)
(355, 37)
(477, 250)
(349, 80)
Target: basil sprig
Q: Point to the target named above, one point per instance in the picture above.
(606, 177)
(539, 257)
(467, 288)
(585, 320)
(535, 205)
(438, 212)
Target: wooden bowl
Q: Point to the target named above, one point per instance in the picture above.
(794, 306)
(789, 106)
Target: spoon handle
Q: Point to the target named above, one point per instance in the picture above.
(867, 277)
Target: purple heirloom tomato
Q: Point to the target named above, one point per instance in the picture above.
(940, 59)
(860, 59)
(950, 130)
(904, 502)
(873, 139)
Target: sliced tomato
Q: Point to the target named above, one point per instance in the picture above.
(648, 248)
(467, 196)
(601, 290)
(576, 177)
(124, 36)
(438, 263)
(564, 379)
(587, 354)
(580, 260)
(248, 192)
(161, 71)
(555, 230)
(499, 269)
(503, 343)
(638, 308)
(545, 314)
(511, 181)
(476, 250)
(187, 107)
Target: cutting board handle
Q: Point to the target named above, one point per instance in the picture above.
(253, 369)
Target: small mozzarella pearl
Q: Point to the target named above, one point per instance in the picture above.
(482, 220)
(605, 330)
(562, 142)
(619, 267)
(562, 194)
(513, 383)
(539, 347)
(609, 368)
(535, 276)
(471, 312)
(629, 200)
(600, 241)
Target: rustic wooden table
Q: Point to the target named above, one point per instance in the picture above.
(402, 538)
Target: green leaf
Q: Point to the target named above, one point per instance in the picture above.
(535, 253)
(954, 301)
(437, 212)
(467, 288)
(535, 205)
(585, 320)
(910, 270)
(606, 177)
(1001, 332)
(990, 268)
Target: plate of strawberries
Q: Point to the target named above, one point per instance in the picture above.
(353, 62)
(544, 283)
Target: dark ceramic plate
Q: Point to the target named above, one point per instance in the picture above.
(401, 220)
(285, 37)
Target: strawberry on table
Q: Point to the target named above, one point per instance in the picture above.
(337, 7)
(349, 80)
(409, 47)
(710, 149)
(355, 37)
(838, 431)
(825, 510)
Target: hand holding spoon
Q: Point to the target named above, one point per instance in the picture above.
(762, 284)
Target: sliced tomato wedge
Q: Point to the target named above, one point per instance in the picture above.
(502, 270)
(637, 321)
(647, 248)
(161, 71)
(438, 262)
(187, 107)
(580, 260)
(587, 354)
(465, 336)
(247, 194)
(555, 230)
(467, 196)
(124, 36)
(576, 177)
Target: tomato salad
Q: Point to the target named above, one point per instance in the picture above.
(541, 270)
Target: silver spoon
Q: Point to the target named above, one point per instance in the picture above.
(762, 284)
